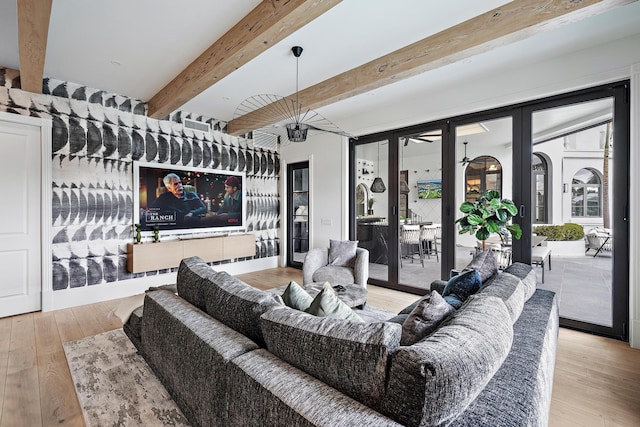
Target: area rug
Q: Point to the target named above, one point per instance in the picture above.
(115, 386)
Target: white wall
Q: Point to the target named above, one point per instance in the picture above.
(328, 213)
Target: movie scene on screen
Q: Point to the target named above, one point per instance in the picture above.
(175, 199)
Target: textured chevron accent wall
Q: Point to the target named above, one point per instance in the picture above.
(96, 137)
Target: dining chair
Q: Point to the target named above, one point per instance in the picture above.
(409, 240)
(429, 236)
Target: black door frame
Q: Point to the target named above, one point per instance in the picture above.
(521, 187)
(291, 167)
(619, 92)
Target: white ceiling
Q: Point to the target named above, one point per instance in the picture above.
(134, 48)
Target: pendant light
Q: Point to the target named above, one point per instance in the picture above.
(378, 185)
(297, 132)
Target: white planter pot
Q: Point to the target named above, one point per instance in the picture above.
(571, 248)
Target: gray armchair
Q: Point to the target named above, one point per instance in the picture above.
(316, 268)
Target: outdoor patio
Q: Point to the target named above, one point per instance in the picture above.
(583, 284)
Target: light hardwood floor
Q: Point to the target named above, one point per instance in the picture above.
(596, 383)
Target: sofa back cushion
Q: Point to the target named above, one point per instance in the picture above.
(351, 357)
(434, 380)
(238, 305)
(514, 286)
(527, 275)
(194, 276)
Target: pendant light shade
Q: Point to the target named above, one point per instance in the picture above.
(378, 185)
(297, 132)
(404, 187)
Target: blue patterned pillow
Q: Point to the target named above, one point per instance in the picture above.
(460, 287)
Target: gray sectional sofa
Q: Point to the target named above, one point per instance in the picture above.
(232, 355)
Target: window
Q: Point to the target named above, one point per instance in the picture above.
(482, 174)
(586, 194)
(540, 191)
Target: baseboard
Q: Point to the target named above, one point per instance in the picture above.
(634, 334)
(66, 298)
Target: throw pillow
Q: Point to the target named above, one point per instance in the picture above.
(327, 304)
(486, 264)
(342, 253)
(460, 287)
(425, 318)
(296, 297)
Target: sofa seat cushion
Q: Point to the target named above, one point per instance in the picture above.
(351, 357)
(434, 380)
(333, 274)
(239, 305)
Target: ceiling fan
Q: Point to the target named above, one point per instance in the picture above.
(292, 119)
(423, 137)
(466, 160)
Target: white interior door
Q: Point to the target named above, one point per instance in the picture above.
(20, 224)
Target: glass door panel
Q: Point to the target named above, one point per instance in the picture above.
(372, 205)
(420, 209)
(298, 213)
(577, 141)
(484, 161)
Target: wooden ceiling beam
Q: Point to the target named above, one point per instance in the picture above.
(268, 23)
(511, 22)
(33, 30)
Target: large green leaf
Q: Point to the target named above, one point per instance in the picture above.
(509, 206)
(491, 194)
(503, 215)
(515, 231)
(474, 219)
(482, 233)
(493, 227)
(467, 207)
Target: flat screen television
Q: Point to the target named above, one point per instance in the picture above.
(179, 199)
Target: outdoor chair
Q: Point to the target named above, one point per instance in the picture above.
(599, 239)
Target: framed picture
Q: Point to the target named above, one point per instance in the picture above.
(430, 189)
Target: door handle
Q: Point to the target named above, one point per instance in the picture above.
(522, 211)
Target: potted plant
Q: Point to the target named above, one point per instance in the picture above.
(489, 214)
(138, 229)
(370, 203)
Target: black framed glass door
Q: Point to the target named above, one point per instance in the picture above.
(582, 139)
(298, 196)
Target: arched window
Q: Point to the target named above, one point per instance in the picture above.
(540, 190)
(482, 174)
(586, 194)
